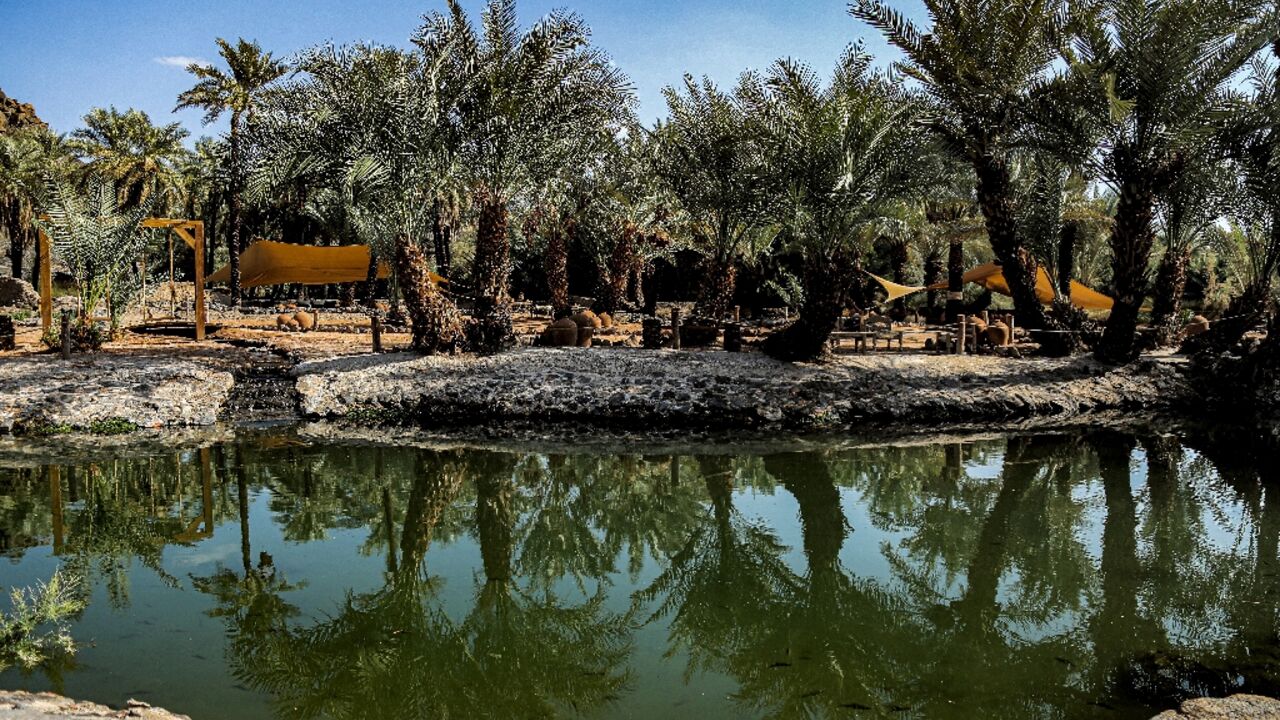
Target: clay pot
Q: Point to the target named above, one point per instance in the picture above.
(606, 320)
(286, 322)
(998, 334)
(561, 333)
(584, 336)
(306, 321)
(586, 318)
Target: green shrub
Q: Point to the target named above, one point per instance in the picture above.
(112, 426)
(24, 639)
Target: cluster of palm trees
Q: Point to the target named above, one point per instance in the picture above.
(1128, 143)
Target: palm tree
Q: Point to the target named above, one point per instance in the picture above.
(125, 148)
(710, 158)
(841, 154)
(981, 66)
(1148, 76)
(26, 154)
(238, 91)
(1252, 138)
(518, 96)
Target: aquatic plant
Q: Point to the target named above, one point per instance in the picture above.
(32, 609)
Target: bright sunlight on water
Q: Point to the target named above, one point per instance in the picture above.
(1098, 574)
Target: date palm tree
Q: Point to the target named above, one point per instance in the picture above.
(842, 154)
(26, 155)
(127, 149)
(517, 95)
(981, 66)
(238, 90)
(1149, 76)
(710, 158)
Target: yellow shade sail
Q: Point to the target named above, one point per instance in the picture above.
(992, 278)
(275, 263)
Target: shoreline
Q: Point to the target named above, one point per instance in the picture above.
(110, 392)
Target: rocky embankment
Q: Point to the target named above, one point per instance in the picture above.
(18, 705)
(727, 390)
(1235, 707)
(109, 392)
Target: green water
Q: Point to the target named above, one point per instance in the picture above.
(1053, 575)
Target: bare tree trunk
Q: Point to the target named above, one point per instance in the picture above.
(613, 293)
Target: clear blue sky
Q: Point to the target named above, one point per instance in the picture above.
(67, 56)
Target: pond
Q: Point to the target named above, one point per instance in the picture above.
(1072, 574)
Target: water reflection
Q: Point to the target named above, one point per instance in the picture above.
(1053, 575)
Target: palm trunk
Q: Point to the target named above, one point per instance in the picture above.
(556, 266)
(899, 255)
(490, 330)
(1067, 237)
(437, 325)
(440, 236)
(996, 197)
(19, 229)
(719, 282)
(1131, 243)
(1171, 281)
(371, 278)
(614, 291)
(826, 284)
(237, 215)
(955, 279)
(932, 274)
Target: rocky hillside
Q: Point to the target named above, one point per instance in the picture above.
(14, 114)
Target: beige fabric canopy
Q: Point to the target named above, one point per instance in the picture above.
(267, 262)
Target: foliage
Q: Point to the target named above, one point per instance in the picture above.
(141, 159)
(96, 237)
(46, 604)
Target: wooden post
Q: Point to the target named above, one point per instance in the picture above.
(142, 296)
(737, 313)
(55, 506)
(46, 284)
(963, 335)
(1010, 329)
(675, 328)
(198, 226)
(376, 331)
(66, 334)
(206, 490)
(173, 289)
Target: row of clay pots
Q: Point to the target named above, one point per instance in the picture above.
(575, 331)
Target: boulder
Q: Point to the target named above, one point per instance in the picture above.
(16, 292)
(1235, 707)
(1198, 325)
(585, 335)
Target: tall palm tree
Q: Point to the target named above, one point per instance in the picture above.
(250, 71)
(518, 95)
(981, 66)
(1149, 76)
(26, 155)
(842, 154)
(127, 149)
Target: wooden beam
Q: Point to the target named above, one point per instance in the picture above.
(197, 243)
(46, 283)
(186, 236)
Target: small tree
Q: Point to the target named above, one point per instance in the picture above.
(97, 239)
